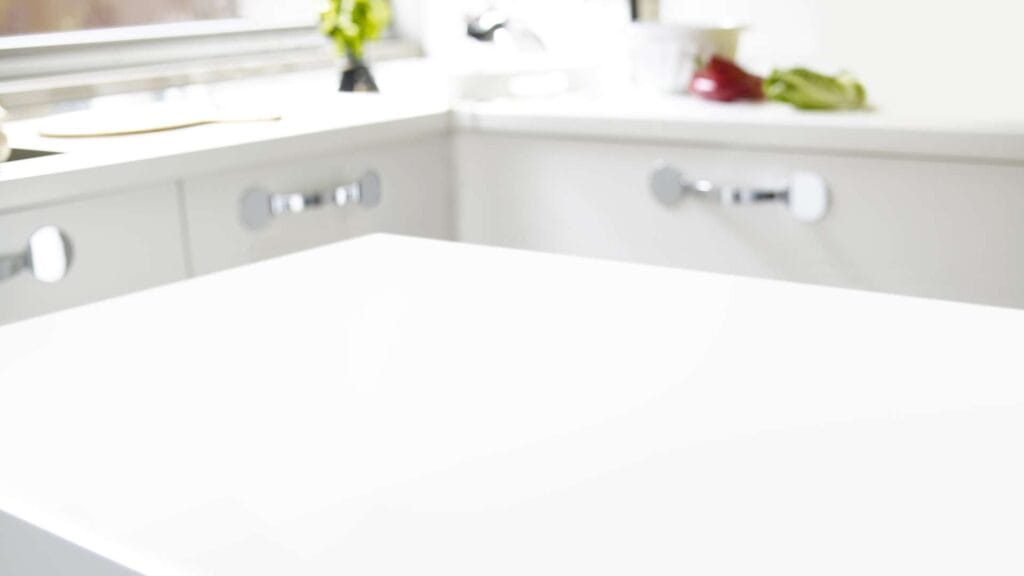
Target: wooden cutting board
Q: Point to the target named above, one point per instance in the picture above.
(5, 150)
(97, 123)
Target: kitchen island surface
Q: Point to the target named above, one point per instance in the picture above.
(396, 406)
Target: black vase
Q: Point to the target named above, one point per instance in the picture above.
(356, 77)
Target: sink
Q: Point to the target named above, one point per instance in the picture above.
(26, 154)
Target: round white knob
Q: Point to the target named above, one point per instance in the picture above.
(47, 257)
(808, 197)
(50, 254)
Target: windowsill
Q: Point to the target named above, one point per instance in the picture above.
(36, 97)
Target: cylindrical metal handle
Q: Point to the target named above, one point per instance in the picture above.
(48, 257)
(806, 195)
(293, 203)
(365, 191)
(260, 206)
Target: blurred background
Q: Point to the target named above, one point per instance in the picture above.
(908, 113)
(38, 16)
(956, 57)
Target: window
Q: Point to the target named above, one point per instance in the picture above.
(45, 38)
(53, 51)
(19, 17)
(27, 17)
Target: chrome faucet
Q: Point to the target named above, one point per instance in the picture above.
(496, 27)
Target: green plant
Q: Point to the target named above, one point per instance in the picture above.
(350, 23)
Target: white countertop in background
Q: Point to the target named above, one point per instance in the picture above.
(397, 406)
(771, 126)
(416, 102)
(314, 118)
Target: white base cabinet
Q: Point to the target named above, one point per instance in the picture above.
(415, 199)
(918, 227)
(915, 226)
(121, 242)
(128, 241)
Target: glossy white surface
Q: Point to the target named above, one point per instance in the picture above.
(393, 406)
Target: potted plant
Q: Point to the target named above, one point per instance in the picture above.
(350, 24)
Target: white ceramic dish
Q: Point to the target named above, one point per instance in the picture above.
(664, 56)
(519, 76)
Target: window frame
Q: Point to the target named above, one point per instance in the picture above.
(56, 53)
(38, 71)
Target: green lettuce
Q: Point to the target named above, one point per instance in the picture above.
(810, 90)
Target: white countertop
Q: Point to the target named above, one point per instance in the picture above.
(397, 406)
(688, 120)
(314, 118)
(416, 102)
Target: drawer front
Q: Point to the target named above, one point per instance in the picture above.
(415, 200)
(120, 243)
(922, 228)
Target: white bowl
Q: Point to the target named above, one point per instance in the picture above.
(519, 76)
(664, 56)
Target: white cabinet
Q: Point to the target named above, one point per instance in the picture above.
(121, 242)
(415, 200)
(130, 240)
(912, 226)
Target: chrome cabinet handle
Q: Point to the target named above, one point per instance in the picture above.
(260, 206)
(48, 257)
(365, 191)
(807, 195)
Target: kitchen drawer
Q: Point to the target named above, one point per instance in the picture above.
(415, 200)
(919, 227)
(121, 243)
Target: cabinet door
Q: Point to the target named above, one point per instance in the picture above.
(120, 243)
(916, 227)
(415, 199)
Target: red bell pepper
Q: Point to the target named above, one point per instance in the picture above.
(722, 80)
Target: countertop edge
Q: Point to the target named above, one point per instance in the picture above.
(57, 179)
(48, 180)
(942, 144)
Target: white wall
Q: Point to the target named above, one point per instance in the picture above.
(919, 56)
